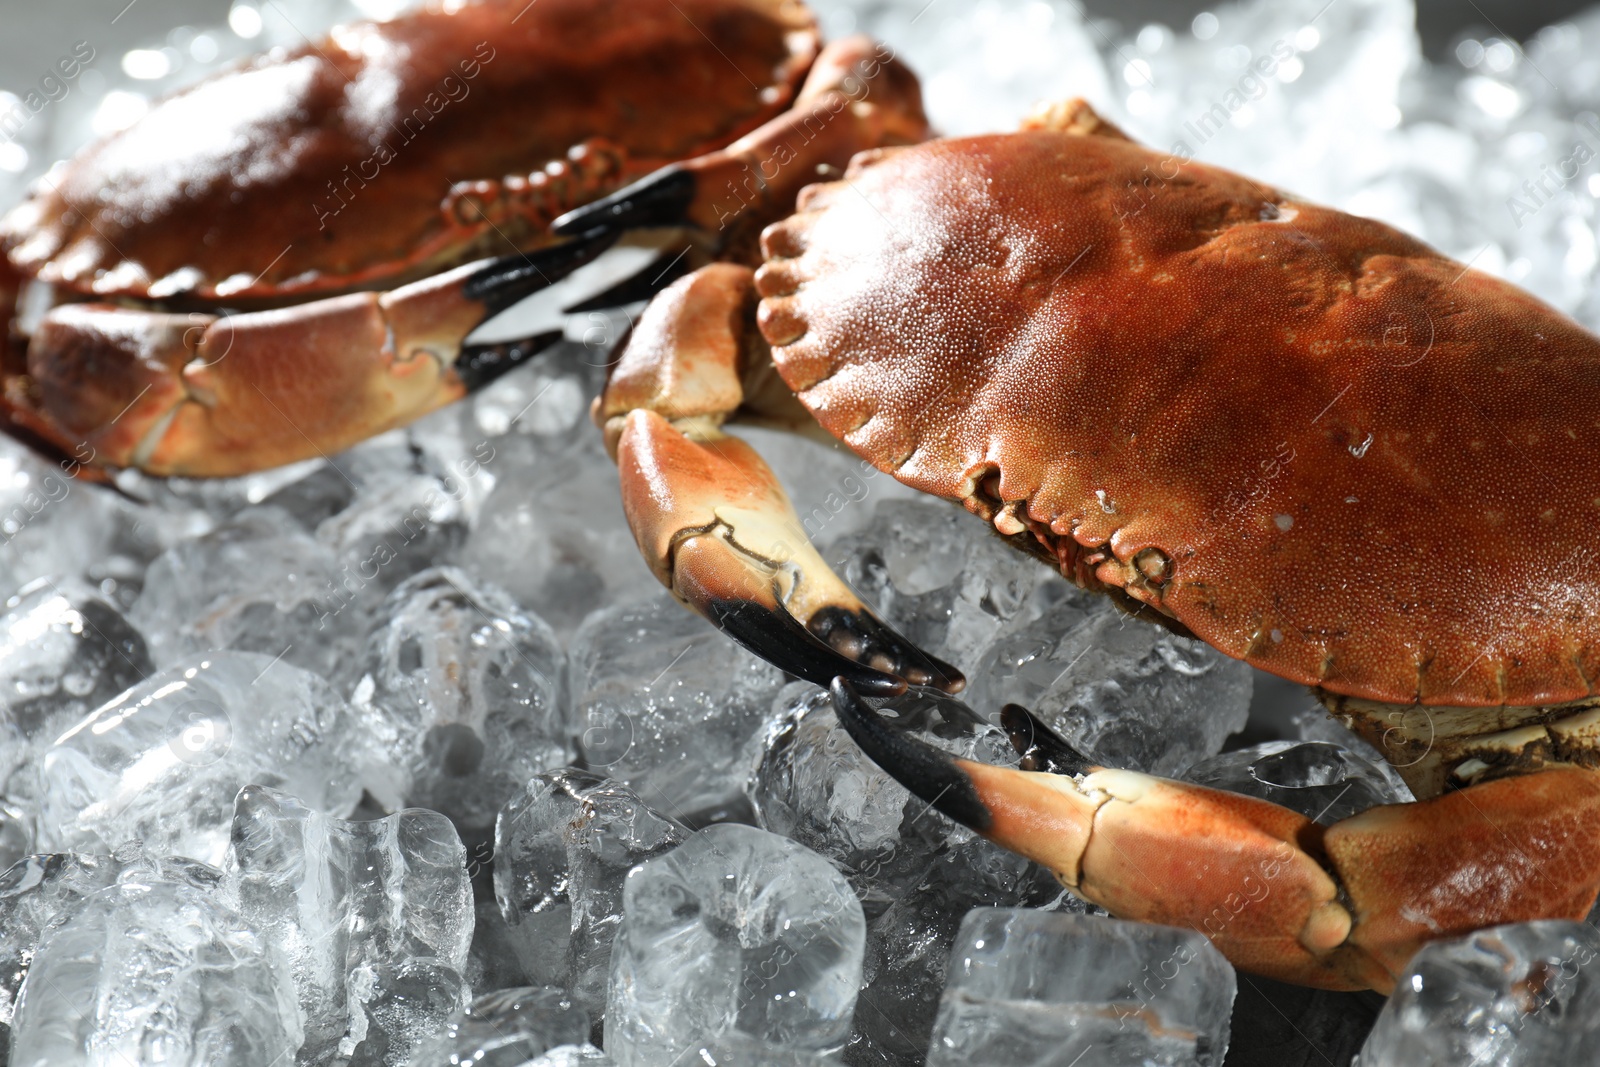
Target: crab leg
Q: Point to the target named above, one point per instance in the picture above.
(709, 515)
(1343, 907)
(218, 395)
(857, 96)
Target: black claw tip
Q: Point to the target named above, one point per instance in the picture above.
(509, 279)
(1041, 748)
(777, 637)
(864, 638)
(924, 770)
(662, 199)
(478, 365)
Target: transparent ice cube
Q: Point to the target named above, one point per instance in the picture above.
(507, 1028)
(374, 918)
(64, 651)
(553, 534)
(665, 703)
(163, 762)
(38, 889)
(938, 575)
(563, 850)
(1034, 988)
(259, 583)
(1322, 781)
(393, 529)
(463, 691)
(1521, 994)
(814, 785)
(1127, 693)
(736, 929)
(156, 971)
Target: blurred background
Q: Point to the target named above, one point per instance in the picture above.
(39, 29)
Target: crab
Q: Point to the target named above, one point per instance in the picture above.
(289, 257)
(1301, 436)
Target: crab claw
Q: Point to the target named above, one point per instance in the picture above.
(718, 530)
(858, 96)
(1344, 907)
(219, 395)
(709, 516)
(1244, 872)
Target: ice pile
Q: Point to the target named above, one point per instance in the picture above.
(1033, 989)
(1514, 995)
(736, 929)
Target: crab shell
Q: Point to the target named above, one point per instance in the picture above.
(341, 164)
(1310, 440)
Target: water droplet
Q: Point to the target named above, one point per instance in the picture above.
(1283, 522)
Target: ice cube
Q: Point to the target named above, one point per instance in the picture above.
(665, 703)
(552, 532)
(375, 919)
(54, 526)
(155, 971)
(258, 584)
(735, 929)
(909, 944)
(163, 762)
(38, 889)
(563, 850)
(1515, 995)
(64, 651)
(938, 575)
(393, 529)
(507, 1028)
(463, 691)
(1127, 693)
(1322, 781)
(1036, 988)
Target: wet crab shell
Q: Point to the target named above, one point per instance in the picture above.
(1313, 441)
(325, 168)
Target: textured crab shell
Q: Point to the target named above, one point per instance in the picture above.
(326, 167)
(1317, 443)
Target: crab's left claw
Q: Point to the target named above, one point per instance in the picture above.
(219, 395)
(708, 514)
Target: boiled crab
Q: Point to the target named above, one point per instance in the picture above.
(1302, 436)
(332, 200)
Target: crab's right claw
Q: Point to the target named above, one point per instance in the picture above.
(1240, 870)
(858, 96)
(1342, 907)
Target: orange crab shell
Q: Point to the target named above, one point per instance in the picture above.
(328, 167)
(1318, 444)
